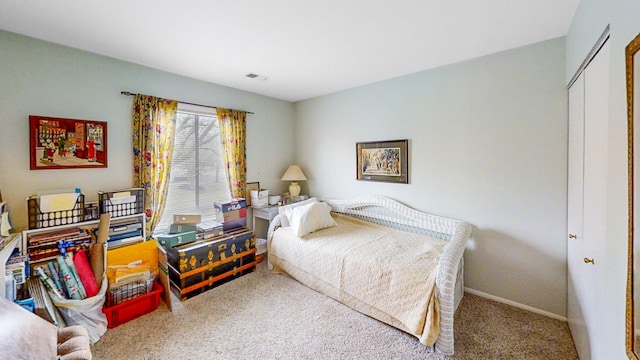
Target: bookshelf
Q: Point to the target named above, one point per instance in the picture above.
(8, 244)
(42, 244)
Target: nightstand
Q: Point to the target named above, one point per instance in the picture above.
(266, 213)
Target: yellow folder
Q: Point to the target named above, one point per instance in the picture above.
(144, 253)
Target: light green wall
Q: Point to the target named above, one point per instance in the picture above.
(590, 20)
(40, 78)
(487, 139)
(488, 144)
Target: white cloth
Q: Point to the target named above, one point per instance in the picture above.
(389, 270)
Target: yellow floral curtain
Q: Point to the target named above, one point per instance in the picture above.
(233, 125)
(154, 125)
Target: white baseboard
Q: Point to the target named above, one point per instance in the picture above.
(514, 304)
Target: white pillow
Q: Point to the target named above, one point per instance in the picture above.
(285, 211)
(311, 217)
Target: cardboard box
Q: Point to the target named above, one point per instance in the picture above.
(186, 219)
(224, 206)
(163, 276)
(259, 198)
(231, 213)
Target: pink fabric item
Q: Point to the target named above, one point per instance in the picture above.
(84, 272)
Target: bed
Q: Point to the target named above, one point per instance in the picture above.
(396, 264)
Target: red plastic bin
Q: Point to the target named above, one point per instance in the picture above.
(131, 309)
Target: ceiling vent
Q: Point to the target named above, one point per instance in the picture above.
(257, 77)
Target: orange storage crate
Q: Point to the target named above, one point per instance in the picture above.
(136, 307)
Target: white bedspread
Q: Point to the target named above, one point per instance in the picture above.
(389, 270)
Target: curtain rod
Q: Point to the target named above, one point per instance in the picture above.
(127, 93)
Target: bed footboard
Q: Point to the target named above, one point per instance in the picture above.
(275, 224)
(450, 270)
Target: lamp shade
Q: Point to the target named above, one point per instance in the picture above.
(293, 173)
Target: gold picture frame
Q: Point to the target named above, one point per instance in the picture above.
(633, 259)
(386, 161)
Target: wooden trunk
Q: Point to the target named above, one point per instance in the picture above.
(205, 264)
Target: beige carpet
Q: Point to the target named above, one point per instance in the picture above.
(269, 316)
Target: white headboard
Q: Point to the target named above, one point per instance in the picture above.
(388, 212)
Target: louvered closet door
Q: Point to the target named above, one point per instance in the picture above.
(587, 202)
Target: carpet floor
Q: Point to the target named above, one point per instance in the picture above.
(269, 316)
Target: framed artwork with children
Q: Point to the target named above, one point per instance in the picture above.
(58, 143)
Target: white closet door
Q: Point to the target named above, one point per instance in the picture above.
(576, 284)
(596, 130)
(587, 202)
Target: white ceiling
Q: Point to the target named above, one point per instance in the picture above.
(305, 48)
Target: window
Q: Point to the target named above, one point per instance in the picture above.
(198, 177)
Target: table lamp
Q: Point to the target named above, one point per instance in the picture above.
(293, 174)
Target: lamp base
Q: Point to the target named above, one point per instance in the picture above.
(294, 189)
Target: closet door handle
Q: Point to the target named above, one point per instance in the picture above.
(573, 236)
(587, 260)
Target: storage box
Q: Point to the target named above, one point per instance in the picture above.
(193, 219)
(202, 265)
(37, 218)
(188, 257)
(170, 240)
(231, 213)
(233, 219)
(121, 202)
(134, 308)
(179, 228)
(259, 197)
(224, 206)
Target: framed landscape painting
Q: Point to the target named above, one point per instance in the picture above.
(57, 143)
(386, 161)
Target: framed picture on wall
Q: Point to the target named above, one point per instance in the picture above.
(386, 161)
(58, 143)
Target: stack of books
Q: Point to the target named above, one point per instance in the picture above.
(189, 228)
(124, 231)
(46, 246)
(208, 229)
